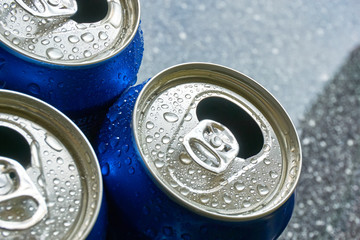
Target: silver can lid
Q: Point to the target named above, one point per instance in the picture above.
(217, 142)
(43, 30)
(50, 181)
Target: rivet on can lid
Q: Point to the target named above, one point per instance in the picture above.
(202, 163)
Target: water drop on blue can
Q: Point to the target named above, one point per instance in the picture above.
(186, 236)
(2, 83)
(131, 170)
(34, 88)
(128, 161)
(105, 169)
(102, 147)
(2, 63)
(146, 210)
(168, 231)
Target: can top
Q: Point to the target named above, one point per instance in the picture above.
(50, 181)
(217, 142)
(43, 30)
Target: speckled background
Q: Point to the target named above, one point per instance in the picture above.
(305, 53)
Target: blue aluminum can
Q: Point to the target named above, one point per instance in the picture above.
(51, 185)
(199, 152)
(48, 49)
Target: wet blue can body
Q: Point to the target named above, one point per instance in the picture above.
(143, 211)
(84, 93)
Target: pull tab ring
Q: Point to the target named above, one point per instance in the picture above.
(23, 187)
(49, 8)
(211, 145)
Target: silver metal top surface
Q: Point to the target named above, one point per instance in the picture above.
(58, 195)
(43, 30)
(196, 160)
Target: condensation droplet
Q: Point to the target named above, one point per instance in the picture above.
(34, 88)
(273, 174)
(267, 161)
(73, 39)
(171, 117)
(227, 199)
(56, 181)
(67, 224)
(246, 203)
(149, 139)
(267, 148)
(26, 18)
(188, 117)
(57, 39)
(131, 170)
(262, 190)
(185, 159)
(16, 41)
(164, 106)
(87, 53)
(239, 186)
(149, 125)
(71, 167)
(45, 42)
(204, 199)
(54, 53)
(293, 172)
(161, 154)
(59, 160)
(87, 37)
(103, 35)
(53, 143)
(41, 181)
(159, 163)
(184, 191)
(165, 140)
(60, 199)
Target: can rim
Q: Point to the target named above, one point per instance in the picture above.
(48, 110)
(27, 56)
(168, 191)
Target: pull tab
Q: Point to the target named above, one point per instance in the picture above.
(16, 183)
(211, 145)
(49, 8)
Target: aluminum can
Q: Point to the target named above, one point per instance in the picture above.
(50, 179)
(50, 50)
(200, 152)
